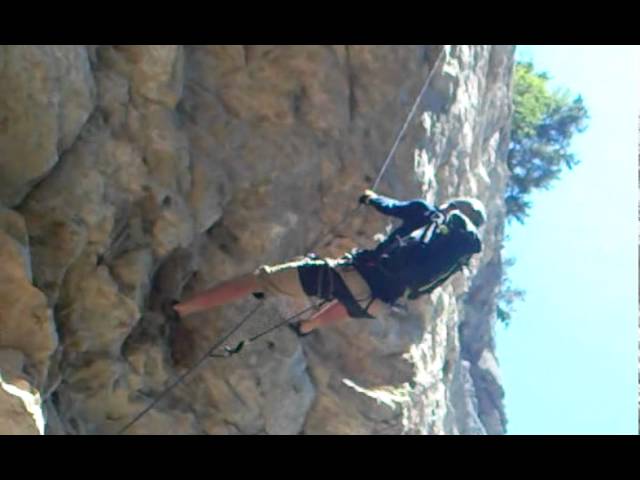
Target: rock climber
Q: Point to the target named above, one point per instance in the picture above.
(430, 245)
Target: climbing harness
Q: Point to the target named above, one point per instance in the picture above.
(352, 305)
(336, 288)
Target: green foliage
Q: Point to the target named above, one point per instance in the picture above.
(543, 125)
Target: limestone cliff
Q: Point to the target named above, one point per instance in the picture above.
(131, 174)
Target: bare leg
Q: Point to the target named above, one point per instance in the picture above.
(219, 295)
(333, 313)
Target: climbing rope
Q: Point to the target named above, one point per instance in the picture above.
(278, 325)
(406, 123)
(391, 154)
(181, 378)
(210, 353)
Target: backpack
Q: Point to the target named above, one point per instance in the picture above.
(415, 267)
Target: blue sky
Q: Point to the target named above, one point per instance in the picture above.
(569, 357)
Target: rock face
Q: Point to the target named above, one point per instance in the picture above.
(133, 174)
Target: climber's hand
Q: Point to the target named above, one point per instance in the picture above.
(366, 196)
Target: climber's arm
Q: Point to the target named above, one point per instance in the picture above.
(387, 205)
(414, 213)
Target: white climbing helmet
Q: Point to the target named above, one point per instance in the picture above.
(471, 208)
